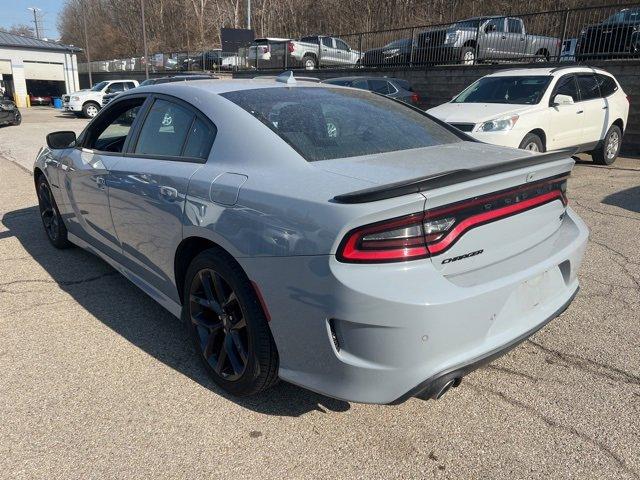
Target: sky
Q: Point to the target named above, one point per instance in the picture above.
(15, 12)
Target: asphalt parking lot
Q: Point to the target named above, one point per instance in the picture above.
(98, 381)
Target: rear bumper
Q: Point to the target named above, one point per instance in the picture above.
(430, 388)
(383, 333)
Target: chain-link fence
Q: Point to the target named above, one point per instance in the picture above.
(579, 34)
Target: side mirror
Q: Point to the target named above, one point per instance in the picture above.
(58, 140)
(562, 100)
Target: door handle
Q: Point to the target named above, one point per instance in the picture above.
(101, 183)
(605, 107)
(169, 193)
(580, 111)
(504, 37)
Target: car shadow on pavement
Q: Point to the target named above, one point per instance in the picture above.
(125, 309)
(628, 199)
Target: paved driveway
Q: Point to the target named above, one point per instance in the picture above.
(97, 381)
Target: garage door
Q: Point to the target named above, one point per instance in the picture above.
(43, 71)
(5, 67)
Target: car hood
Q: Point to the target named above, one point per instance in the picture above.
(402, 165)
(476, 112)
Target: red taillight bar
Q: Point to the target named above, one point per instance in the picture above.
(420, 235)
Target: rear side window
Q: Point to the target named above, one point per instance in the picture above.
(380, 86)
(130, 85)
(567, 86)
(198, 140)
(327, 42)
(607, 84)
(588, 87)
(116, 87)
(165, 129)
(361, 84)
(328, 123)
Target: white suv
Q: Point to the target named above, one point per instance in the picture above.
(543, 109)
(89, 102)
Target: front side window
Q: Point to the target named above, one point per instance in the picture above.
(329, 123)
(567, 86)
(515, 25)
(340, 45)
(526, 90)
(607, 84)
(588, 87)
(113, 127)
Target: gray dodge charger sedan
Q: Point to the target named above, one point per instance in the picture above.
(331, 237)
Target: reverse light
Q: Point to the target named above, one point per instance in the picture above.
(502, 124)
(421, 235)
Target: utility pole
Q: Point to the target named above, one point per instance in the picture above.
(36, 21)
(86, 41)
(248, 14)
(144, 42)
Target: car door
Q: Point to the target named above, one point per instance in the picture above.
(564, 122)
(328, 52)
(86, 172)
(491, 44)
(515, 45)
(148, 187)
(343, 53)
(594, 107)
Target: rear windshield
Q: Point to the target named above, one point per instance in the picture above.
(328, 123)
(526, 90)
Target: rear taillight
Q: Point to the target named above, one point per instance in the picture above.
(420, 235)
(415, 98)
(291, 47)
(629, 99)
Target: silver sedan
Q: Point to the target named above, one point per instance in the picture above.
(324, 235)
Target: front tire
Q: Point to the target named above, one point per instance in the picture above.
(52, 221)
(532, 142)
(228, 326)
(17, 118)
(90, 109)
(609, 149)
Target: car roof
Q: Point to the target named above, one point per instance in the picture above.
(360, 77)
(523, 72)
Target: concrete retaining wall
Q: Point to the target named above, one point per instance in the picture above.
(437, 85)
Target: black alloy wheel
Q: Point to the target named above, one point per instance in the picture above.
(51, 220)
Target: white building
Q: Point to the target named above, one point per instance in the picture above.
(38, 67)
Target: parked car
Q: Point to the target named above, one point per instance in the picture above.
(88, 103)
(483, 39)
(616, 37)
(319, 51)
(397, 52)
(155, 81)
(9, 112)
(543, 109)
(390, 87)
(314, 258)
(40, 99)
(209, 60)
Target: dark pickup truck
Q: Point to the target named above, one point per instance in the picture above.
(616, 37)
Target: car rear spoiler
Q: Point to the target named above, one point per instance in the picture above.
(431, 182)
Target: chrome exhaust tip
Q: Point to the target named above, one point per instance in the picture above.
(454, 382)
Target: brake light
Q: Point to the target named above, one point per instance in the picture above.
(291, 47)
(420, 235)
(415, 98)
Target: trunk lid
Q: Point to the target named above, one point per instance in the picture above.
(492, 207)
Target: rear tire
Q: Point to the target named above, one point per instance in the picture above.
(468, 56)
(532, 142)
(609, 149)
(228, 326)
(309, 62)
(52, 221)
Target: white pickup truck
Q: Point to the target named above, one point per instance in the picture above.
(88, 102)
